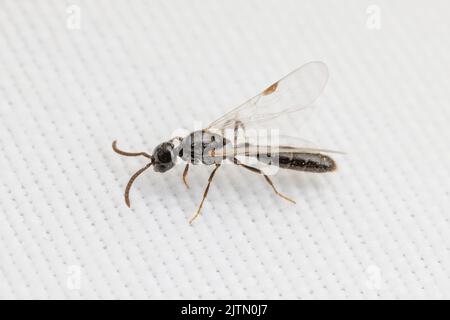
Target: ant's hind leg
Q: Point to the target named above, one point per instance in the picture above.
(276, 191)
(256, 170)
(204, 194)
(186, 169)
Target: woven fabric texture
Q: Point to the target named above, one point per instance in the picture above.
(74, 76)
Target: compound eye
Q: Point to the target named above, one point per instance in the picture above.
(164, 156)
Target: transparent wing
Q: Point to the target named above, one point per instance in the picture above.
(279, 144)
(255, 149)
(282, 143)
(296, 91)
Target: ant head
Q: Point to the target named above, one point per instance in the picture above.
(164, 157)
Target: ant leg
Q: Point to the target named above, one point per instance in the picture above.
(256, 170)
(129, 154)
(276, 191)
(204, 195)
(186, 169)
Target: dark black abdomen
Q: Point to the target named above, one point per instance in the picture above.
(309, 162)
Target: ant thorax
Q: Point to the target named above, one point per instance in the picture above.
(199, 147)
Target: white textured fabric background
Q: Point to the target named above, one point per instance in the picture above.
(137, 70)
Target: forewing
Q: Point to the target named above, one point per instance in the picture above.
(283, 144)
(296, 91)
